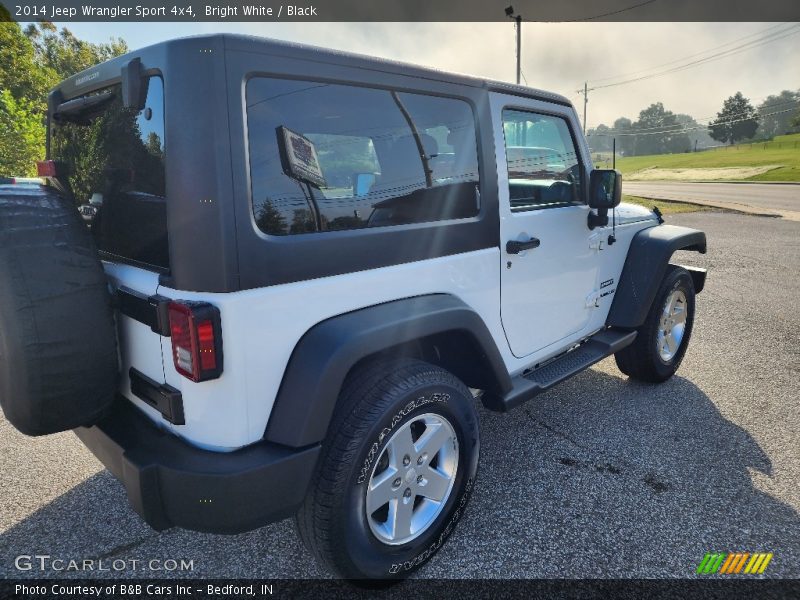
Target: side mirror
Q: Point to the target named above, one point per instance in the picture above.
(605, 192)
(362, 183)
(605, 188)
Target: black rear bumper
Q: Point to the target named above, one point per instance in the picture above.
(171, 483)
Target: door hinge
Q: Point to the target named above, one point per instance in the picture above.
(150, 310)
(593, 300)
(596, 242)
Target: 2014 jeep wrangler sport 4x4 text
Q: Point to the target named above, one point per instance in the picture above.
(303, 269)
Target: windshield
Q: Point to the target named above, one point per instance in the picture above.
(113, 160)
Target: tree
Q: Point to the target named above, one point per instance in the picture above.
(65, 53)
(737, 120)
(21, 136)
(796, 119)
(600, 138)
(625, 143)
(776, 112)
(270, 220)
(698, 134)
(21, 72)
(661, 132)
(31, 63)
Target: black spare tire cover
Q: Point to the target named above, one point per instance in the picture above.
(58, 346)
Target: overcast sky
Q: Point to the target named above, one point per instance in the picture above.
(556, 56)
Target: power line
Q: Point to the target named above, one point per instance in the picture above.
(760, 41)
(775, 36)
(754, 101)
(695, 55)
(609, 134)
(615, 12)
(678, 126)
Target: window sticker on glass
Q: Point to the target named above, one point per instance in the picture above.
(299, 157)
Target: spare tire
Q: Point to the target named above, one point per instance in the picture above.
(58, 348)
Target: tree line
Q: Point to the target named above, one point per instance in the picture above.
(660, 131)
(34, 60)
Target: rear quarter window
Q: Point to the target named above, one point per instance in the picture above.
(386, 158)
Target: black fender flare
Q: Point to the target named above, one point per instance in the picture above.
(645, 266)
(326, 353)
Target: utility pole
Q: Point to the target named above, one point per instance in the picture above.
(585, 102)
(518, 20)
(614, 152)
(519, 47)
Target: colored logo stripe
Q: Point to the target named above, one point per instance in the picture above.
(734, 562)
(740, 564)
(758, 563)
(727, 564)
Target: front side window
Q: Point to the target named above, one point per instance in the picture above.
(543, 166)
(378, 157)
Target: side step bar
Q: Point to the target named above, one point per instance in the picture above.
(533, 383)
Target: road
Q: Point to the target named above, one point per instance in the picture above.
(765, 198)
(598, 477)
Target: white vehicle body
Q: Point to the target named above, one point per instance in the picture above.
(313, 257)
(547, 302)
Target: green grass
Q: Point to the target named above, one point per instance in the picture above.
(665, 206)
(783, 150)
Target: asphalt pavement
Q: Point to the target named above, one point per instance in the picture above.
(761, 198)
(599, 477)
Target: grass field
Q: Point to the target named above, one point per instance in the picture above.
(783, 150)
(665, 206)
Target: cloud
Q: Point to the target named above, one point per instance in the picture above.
(556, 56)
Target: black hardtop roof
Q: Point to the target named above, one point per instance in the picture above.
(251, 43)
(262, 45)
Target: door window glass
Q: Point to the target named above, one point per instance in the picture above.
(543, 166)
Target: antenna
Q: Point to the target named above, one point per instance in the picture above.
(613, 237)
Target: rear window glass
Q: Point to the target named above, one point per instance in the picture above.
(376, 157)
(113, 160)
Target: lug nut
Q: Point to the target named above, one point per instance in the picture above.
(396, 483)
(406, 460)
(422, 458)
(419, 478)
(407, 493)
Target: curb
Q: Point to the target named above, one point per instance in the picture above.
(738, 208)
(736, 181)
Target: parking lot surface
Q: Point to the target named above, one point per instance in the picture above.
(599, 477)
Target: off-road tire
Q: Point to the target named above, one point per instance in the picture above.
(377, 400)
(642, 360)
(58, 342)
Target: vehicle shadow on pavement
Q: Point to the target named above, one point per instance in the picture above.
(600, 477)
(607, 477)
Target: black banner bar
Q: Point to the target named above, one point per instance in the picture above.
(728, 588)
(402, 10)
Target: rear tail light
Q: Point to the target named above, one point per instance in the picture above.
(46, 168)
(196, 340)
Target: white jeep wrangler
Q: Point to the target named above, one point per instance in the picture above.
(303, 270)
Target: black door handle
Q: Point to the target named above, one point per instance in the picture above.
(515, 247)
